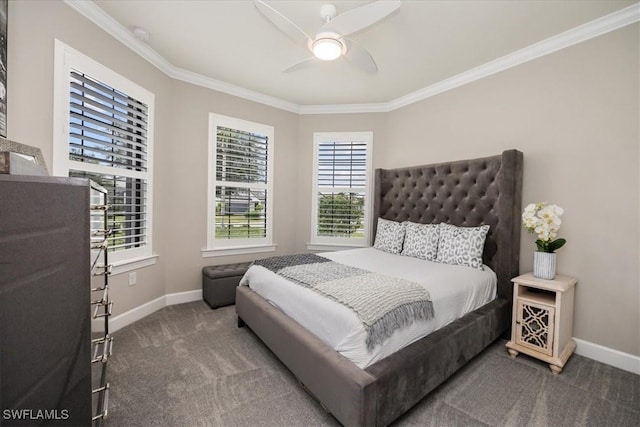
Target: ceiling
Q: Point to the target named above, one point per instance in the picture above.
(423, 43)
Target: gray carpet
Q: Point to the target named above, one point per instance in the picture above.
(187, 365)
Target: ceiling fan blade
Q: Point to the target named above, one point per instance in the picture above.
(300, 64)
(360, 57)
(361, 17)
(282, 23)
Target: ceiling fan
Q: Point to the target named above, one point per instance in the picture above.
(330, 42)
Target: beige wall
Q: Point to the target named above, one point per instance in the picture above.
(33, 26)
(186, 232)
(574, 114)
(180, 146)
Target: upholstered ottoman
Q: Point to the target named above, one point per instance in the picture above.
(219, 283)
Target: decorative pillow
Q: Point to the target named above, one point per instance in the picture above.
(461, 245)
(389, 236)
(421, 240)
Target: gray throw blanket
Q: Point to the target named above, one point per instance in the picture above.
(383, 303)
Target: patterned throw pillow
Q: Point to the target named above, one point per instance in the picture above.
(389, 236)
(421, 240)
(461, 245)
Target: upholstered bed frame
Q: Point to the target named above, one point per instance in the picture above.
(463, 193)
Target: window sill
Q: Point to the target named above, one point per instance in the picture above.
(331, 247)
(237, 250)
(133, 264)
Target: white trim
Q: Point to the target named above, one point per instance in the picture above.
(618, 359)
(60, 164)
(228, 88)
(589, 30)
(133, 315)
(133, 264)
(218, 120)
(383, 107)
(103, 20)
(142, 311)
(609, 356)
(65, 59)
(183, 297)
(552, 44)
(238, 250)
(330, 247)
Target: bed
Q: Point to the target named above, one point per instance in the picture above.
(463, 193)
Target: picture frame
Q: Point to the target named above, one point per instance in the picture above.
(21, 159)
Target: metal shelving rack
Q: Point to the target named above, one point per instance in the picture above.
(102, 341)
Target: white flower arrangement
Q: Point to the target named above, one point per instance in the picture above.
(544, 220)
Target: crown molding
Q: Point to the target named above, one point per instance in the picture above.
(228, 88)
(595, 28)
(344, 108)
(95, 14)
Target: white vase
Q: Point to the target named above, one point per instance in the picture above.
(544, 265)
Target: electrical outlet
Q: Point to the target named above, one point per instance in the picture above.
(132, 278)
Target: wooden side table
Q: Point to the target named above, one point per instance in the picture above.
(543, 319)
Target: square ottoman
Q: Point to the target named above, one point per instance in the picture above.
(219, 283)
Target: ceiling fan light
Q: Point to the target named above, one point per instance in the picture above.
(327, 49)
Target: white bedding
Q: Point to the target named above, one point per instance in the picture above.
(455, 291)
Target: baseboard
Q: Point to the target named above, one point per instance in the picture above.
(625, 361)
(182, 297)
(133, 315)
(142, 311)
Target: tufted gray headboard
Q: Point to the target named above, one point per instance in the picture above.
(464, 193)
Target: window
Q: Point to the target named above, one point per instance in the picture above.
(104, 133)
(341, 188)
(240, 186)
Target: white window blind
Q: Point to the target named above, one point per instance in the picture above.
(103, 131)
(106, 127)
(109, 129)
(241, 157)
(341, 188)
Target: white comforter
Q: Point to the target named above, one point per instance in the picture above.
(455, 291)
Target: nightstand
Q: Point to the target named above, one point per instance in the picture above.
(543, 319)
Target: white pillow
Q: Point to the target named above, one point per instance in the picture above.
(389, 236)
(421, 240)
(461, 245)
